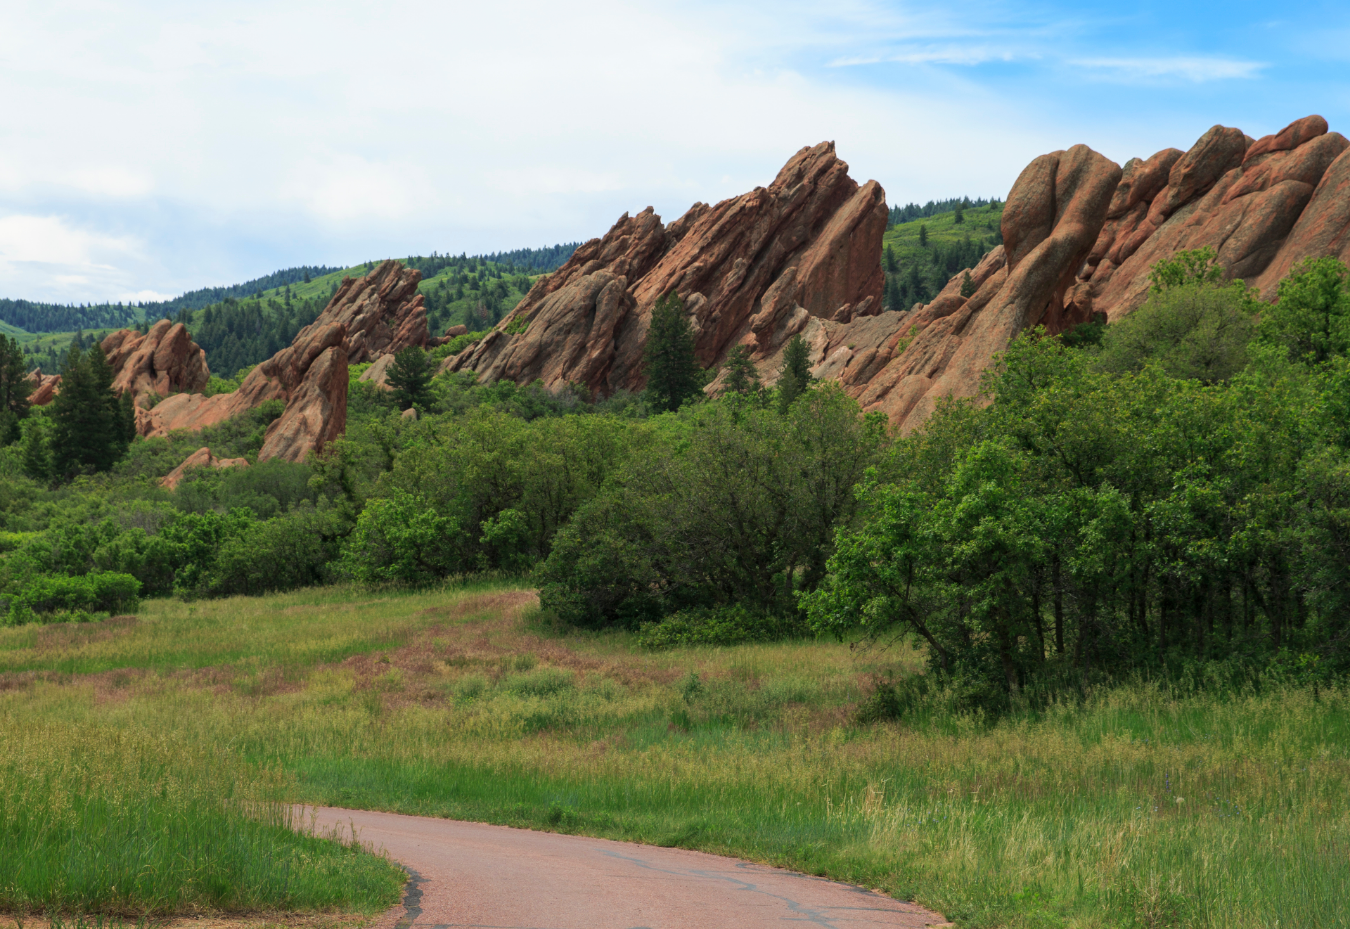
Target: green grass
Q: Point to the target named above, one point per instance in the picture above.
(127, 822)
(980, 224)
(1135, 808)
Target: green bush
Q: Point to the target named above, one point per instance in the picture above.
(277, 554)
(727, 625)
(81, 595)
(1198, 331)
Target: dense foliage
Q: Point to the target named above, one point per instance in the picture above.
(1168, 495)
(1172, 516)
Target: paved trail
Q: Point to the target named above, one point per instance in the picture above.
(493, 877)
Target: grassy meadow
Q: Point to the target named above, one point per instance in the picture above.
(1134, 808)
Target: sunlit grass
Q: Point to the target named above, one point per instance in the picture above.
(1135, 808)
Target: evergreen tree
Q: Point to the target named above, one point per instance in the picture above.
(673, 373)
(967, 285)
(894, 300)
(410, 377)
(36, 455)
(892, 265)
(742, 378)
(795, 377)
(958, 215)
(923, 235)
(89, 430)
(14, 389)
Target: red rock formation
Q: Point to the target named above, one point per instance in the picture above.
(753, 269)
(1052, 219)
(45, 387)
(368, 317)
(1262, 212)
(163, 361)
(201, 458)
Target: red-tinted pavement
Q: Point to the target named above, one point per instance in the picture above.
(474, 876)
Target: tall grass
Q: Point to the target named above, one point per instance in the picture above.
(117, 820)
(1138, 807)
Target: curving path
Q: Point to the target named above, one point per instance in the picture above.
(475, 876)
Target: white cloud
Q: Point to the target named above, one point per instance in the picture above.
(233, 139)
(52, 240)
(936, 54)
(1197, 70)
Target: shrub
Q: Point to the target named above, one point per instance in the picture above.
(1198, 331)
(277, 554)
(98, 592)
(727, 625)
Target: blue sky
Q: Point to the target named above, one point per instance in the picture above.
(148, 148)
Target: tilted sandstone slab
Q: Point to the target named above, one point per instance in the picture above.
(45, 387)
(201, 458)
(160, 362)
(369, 317)
(1262, 206)
(754, 269)
(1051, 220)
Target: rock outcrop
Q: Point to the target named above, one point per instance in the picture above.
(368, 317)
(45, 387)
(161, 362)
(1263, 207)
(755, 269)
(201, 458)
(904, 362)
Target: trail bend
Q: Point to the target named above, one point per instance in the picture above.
(476, 876)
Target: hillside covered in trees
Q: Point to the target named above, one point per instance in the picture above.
(38, 317)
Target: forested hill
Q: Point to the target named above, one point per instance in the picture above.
(34, 316)
(912, 211)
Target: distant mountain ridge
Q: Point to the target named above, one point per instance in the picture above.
(38, 316)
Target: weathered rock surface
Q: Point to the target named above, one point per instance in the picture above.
(161, 362)
(1051, 221)
(1262, 211)
(201, 458)
(755, 269)
(369, 317)
(45, 387)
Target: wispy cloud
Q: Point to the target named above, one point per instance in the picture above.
(1195, 69)
(934, 54)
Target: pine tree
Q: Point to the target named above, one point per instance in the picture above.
(36, 455)
(894, 300)
(892, 266)
(967, 285)
(89, 430)
(742, 377)
(959, 215)
(14, 389)
(410, 377)
(795, 376)
(923, 235)
(673, 372)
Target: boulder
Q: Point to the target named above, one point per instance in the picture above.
(378, 372)
(1141, 181)
(201, 458)
(1216, 152)
(1288, 138)
(754, 270)
(1322, 229)
(45, 387)
(454, 331)
(158, 363)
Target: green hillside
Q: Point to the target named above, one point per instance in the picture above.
(920, 256)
